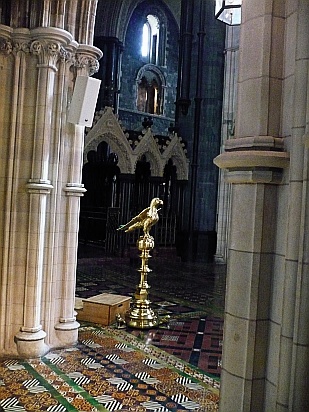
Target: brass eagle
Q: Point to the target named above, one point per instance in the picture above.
(145, 219)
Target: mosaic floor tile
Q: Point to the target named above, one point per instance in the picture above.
(194, 303)
(109, 370)
(171, 368)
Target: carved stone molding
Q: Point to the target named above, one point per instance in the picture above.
(85, 62)
(39, 187)
(6, 46)
(254, 143)
(74, 189)
(49, 45)
(108, 129)
(87, 57)
(253, 159)
(21, 40)
(47, 52)
(5, 39)
(31, 344)
(66, 55)
(21, 46)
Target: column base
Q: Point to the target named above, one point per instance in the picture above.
(31, 344)
(67, 332)
(219, 259)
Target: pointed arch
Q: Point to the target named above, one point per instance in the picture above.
(107, 128)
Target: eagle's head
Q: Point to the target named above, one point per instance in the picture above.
(155, 202)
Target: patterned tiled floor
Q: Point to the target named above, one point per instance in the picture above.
(109, 370)
(191, 294)
(197, 341)
(174, 367)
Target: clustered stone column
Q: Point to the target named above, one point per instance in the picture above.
(254, 168)
(31, 334)
(254, 162)
(43, 185)
(266, 340)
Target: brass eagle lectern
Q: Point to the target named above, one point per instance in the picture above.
(141, 315)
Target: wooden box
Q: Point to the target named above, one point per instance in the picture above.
(103, 308)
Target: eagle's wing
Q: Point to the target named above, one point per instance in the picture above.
(137, 219)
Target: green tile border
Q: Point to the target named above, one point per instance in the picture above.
(81, 391)
(57, 395)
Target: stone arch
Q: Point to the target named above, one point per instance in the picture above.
(121, 12)
(116, 146)
(182, 172)
(148, 146)
(108, 129)
(151, 68)
(152, 158)
(150, 77)
(176, 152)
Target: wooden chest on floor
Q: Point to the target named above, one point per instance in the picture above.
(103, 308)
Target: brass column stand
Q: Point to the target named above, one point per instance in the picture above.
(140, 315)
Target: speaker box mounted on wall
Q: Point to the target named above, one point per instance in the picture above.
(84, 101)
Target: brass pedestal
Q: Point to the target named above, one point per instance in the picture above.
(141, 315)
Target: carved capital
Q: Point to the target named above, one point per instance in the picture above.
(21, 46)
(47, 52)
(5, 46)
(21, 40)
(89, 63)
(66, 55)
(87, 58)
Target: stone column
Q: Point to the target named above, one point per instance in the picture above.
(57, 226)
(254, 170)
(109, 71)
(46, 46)
(41, 163)
(254, 160)
(292, 338)
(11, 125)
(227, 132)
(185, 49)
(86, 64)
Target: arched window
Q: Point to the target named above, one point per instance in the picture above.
(149, 95)
(150, 86)
(150, 40)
